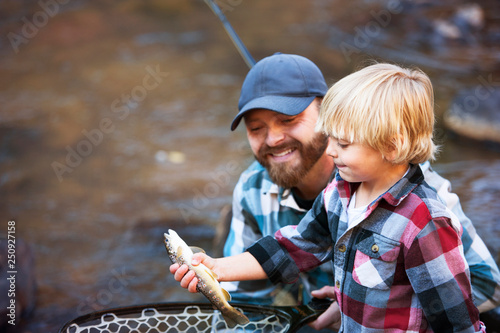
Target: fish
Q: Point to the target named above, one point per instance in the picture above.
(179, 252)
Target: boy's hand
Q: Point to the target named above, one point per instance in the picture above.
(331, 317)
(241, 267)
(186, 277)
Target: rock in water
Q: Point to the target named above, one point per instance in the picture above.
(475, 113)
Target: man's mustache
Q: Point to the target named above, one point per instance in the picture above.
(265, 149)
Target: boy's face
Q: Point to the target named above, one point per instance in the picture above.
(357, 162)
(287, 146)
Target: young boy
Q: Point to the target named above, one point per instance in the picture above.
(396, 250)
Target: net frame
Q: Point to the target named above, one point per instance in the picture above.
(189, 317)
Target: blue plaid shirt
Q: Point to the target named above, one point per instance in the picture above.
(400, 269)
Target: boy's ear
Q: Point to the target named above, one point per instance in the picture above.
(393, 147)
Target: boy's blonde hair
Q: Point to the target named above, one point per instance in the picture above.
(386, 107)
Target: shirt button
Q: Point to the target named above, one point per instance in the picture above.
(337, 284)
(342, 248)
(375, 248)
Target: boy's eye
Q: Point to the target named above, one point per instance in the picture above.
(342, 145)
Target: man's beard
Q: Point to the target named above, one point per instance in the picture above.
(287, 174)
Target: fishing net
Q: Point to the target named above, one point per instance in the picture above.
(177, 318)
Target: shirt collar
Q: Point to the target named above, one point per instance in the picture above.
(394, 195)
(285, 197)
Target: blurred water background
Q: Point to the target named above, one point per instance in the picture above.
(115, 115)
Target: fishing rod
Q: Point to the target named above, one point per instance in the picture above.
(247, 57)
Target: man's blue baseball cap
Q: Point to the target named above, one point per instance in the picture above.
(285, 83)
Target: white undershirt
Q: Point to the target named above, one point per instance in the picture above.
(355, 215)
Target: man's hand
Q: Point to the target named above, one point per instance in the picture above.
(331, 317)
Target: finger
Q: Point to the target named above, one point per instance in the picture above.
(321, 322)
(192, 285)
(198, 258)
(326, 291)
(186, 280)
(180, 272)
(174, 268)
(330, 318)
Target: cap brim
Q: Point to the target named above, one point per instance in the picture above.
(290, 106)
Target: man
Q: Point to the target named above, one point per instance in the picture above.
(279, 102)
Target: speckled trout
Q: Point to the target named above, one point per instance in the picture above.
(180, 253)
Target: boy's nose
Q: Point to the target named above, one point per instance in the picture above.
(330, 150)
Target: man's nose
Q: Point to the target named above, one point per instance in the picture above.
(275, 136)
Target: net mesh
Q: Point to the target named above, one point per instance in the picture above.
(192, 319)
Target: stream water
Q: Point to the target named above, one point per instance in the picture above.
(115, 115)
